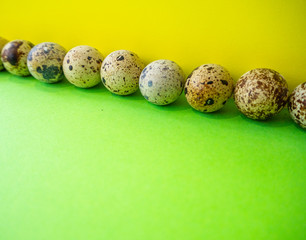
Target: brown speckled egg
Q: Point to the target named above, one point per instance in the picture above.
(45, 62)
(2, 43)
(297, 105)
(120, 72)
(82, 66)
(208, 87)
(261, 93)
(14, 57)
(162, 82)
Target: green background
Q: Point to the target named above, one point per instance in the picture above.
(86, 164)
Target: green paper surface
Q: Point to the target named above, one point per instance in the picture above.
(87, 164)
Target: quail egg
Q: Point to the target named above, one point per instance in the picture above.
(120, 72)
(82, 66)
(261, 93)
(45, 62)
(14, 57)
(297, 105)
(208, 87)
(2, 43)
(162, 82)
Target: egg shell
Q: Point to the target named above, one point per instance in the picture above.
(120, 72)
(208, 87)
(297, 105)
(14, 57)
(161, 82)
(45, 62)
(261, 93)
(3, 41)
(82, 66)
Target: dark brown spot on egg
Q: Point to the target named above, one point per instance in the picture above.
(224, 82)
(11, 54)
(120, 58)
(209, 101)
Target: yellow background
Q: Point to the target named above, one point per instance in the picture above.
(240, 35)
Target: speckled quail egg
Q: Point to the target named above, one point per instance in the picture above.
(162, 82)
(297, 105)
(14, 57)
(120, 72)
(208, 87)
(261, 93)
(82, 66)
(2, 43)
(45, 62)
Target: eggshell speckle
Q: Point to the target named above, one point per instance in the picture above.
(162, 82)
(2, 43)
(14, 57)
(82, 66)
(297, 105)
(45, 62)
(208, 87)
(120, 72)
(261, 93)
